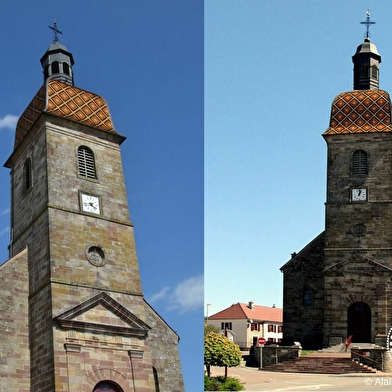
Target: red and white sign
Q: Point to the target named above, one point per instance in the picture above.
(261, 341)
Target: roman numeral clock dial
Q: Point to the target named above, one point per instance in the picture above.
(90, 204)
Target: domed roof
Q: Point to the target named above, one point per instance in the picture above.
(64, 100)
(360, 111)
(367, 47)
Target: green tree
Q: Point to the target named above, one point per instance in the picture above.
(219, 351)
(210, 328)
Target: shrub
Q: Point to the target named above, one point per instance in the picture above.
(219, 383)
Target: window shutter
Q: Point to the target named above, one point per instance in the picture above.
(359, 162)
(86, 162)
(27, 174)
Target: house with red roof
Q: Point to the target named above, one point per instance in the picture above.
(247, 322)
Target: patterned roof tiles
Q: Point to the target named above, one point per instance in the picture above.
(360, 111)
(29, 116)
(65, 101)
(76, 104)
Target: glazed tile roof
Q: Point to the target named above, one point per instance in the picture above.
(360, 111)
(242, 311)
(65, 101)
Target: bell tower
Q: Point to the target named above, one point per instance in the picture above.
(358, 233)
(88, 323)
(347, 268)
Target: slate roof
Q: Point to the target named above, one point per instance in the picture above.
(242, 311)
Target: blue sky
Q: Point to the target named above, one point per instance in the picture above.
(272, 70)
(145, 57)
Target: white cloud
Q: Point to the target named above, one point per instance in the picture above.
(187, 296)
(9, 121)
(156, 297)
(6, 211)
(5, 231)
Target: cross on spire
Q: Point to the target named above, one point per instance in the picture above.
(57, 31)
(367, 22)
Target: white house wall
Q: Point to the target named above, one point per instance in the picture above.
(243, 333)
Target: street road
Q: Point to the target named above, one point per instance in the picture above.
(259, 380)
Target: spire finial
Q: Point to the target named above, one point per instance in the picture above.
(57, 31)
(367, 22)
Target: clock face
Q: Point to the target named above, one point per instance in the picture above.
(90, 204)
(359, 194)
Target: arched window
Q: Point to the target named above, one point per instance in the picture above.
(27, 181)
(46, 71)
(66, 68)
(359, 162)
(374, 71)
(55, 67)
(107, 386)
(365, 71)
(156, 381)
(308, 297)
(86, 162)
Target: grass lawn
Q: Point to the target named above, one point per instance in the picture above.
(306, 352)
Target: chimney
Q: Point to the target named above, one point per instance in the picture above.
(250, 306)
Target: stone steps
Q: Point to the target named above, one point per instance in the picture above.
(328, 365)
(339, 348)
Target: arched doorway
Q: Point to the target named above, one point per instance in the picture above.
(107, 386)
(359, 322)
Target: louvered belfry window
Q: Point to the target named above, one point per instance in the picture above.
(359, 164)
(86, 163)
(27, 175)
(55, 67)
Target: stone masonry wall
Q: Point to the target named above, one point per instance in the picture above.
(164, 352)
(375, 213)
(82, 359)
(355, 261)
(303, 322)
(14, 325)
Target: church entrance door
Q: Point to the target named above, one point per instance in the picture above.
(359, 322)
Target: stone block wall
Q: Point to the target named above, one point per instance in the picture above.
(373, 357)
(356, 279)
(303, 320)
(273, 354)
(163, 342)
(14, 324)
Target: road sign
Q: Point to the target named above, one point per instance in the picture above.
(261, 341)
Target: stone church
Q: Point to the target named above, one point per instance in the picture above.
(339, 285)
(72, 312)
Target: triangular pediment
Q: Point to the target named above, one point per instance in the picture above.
(102, 314)
(358, 264)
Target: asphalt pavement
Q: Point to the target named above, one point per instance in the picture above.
(260, 380)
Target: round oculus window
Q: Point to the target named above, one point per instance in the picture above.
(359, 230)
(96, 256)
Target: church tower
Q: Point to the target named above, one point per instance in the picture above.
(83, 322)
(342, 278)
